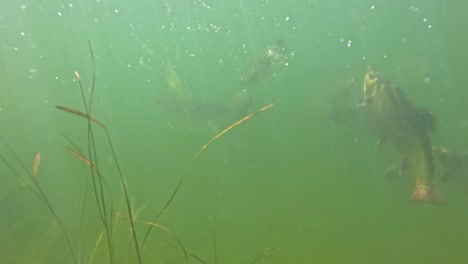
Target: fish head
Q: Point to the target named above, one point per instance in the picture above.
(373, 84)
(277, 52)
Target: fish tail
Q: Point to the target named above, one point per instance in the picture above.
(426, 192)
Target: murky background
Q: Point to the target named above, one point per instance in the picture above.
(302, 177)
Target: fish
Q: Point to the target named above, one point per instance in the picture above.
(454, 165)
(405, 127)
(241, 103)
(196, 113)
(205, 109)
(276, 54)
(172, 77)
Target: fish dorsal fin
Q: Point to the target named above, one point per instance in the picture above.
(428, 119)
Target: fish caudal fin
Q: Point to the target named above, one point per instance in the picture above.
(426, 193)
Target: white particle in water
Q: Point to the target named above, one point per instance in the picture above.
(58, 13)
(349, 43)
(287, 18)
(116, 11)
(372, 7)
(430, 26)
(425, 20)
(56, 77)
(22, 33)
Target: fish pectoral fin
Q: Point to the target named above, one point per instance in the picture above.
(361, 103)
(392, 171)
(380, 142)
(405, 166)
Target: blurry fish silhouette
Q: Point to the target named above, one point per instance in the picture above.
(187, 110)
(454, 165)
(261, 65)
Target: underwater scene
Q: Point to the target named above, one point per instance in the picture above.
(244, 131)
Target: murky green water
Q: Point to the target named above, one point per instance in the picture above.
(302, 177)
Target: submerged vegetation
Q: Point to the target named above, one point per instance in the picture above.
(102, 191)
(160, 143)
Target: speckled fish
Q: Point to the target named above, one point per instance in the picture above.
(406, 128)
